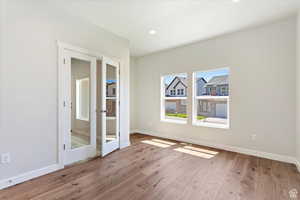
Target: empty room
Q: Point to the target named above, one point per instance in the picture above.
(149, 100)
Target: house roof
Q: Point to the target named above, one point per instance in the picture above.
(110, 84)
(198, 79)
(183, 80)
(180, 79)
(218, 80)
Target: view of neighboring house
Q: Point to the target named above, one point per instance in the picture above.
(214, 108)
(111, 89)
(217, 86)
(207, 108)
(177, 87)
(111, 103)
(200, 86)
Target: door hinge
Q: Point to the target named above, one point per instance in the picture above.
(64, 146)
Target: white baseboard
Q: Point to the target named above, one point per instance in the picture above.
(124, 144)
(28, 176)
(282, 158)
(52, 168)
(134, 131)
(297, 163)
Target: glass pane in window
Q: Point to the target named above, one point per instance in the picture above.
(212, 94)
(212, 111)
(175, 85)
(212, 83)
(174, 101)
(176, 109)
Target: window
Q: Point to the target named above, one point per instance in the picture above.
(174, 105)
(173, 92)
(224, 91)
(180, 92)
(211, 98)
(82, 99)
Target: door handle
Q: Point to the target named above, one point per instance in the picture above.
(103, 111)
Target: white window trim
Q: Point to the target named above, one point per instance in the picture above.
(163, 98)
(195, 122)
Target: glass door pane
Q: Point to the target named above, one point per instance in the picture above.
(80, 108)
(111, 103)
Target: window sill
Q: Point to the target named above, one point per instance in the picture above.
(174, 121)
(211, 125)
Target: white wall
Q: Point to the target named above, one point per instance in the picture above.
(262, 83)
(133, 86)
(298, 93)
(28, 82)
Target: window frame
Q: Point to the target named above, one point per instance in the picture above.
(163, 99)
(195, 98)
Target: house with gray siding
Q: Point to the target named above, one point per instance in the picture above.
(200, 86)
(177, 87)
(217, 86)
(212, 108)
(215, 108)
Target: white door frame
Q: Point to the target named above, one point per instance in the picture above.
(61, 90)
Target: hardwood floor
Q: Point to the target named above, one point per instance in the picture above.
(154, 169)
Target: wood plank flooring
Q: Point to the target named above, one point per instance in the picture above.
(153, 169)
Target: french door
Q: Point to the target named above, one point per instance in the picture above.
(80, 106)
(110, 106)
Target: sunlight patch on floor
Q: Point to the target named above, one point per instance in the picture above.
(159, 143)
(199, 152)
(164, 141)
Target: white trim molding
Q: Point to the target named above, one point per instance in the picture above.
(28, 176)
(132, 131)
(124, 144)
(297, 163)
(271, 156)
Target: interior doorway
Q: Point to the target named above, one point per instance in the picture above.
(89, 111)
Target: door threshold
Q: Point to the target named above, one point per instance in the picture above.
(82, 161)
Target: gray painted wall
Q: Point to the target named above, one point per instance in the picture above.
(28, 79)
(133, 87)
(257, 58)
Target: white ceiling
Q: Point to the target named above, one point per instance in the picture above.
(177, 22)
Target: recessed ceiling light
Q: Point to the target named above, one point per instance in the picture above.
(152, 32)
(235, 1)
